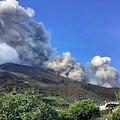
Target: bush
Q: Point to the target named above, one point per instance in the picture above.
(26, 106)
(63, 115)
(110, 107)
(56, 102)
(83, 110)
(104, 112)
(116, 114)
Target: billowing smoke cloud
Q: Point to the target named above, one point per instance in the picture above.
(29, 40)
(19, 31)
(8, 54)
(25, 41)
(103, 74)
(66, 66)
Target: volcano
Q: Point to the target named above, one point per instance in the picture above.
(20, 77)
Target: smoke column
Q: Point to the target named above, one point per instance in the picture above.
(66, 66)
(103, 74)
(29, 42)
(27, 37)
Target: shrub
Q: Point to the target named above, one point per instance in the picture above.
(110, 107)
(83, 110)
(116, 114)
(26, 106)
(56, 101)
(63, 115)
(104, 112)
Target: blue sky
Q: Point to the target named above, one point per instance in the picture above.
(85, 28)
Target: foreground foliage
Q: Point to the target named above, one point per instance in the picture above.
(82, 110)
(26, 106)
(116, 114)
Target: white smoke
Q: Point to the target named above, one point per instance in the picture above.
(8, 54)
(21, 32)
(66, 66)
(101, 71)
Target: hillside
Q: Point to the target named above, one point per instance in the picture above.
(47, 82)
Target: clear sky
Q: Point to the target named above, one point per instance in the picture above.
(85, 28)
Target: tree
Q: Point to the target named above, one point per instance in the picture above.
(83, 110)
(26, 106)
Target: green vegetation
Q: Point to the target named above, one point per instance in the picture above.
(83, 110)
(112, 111)
(26, 106)
(104, 112)
(110, 107)
(50, 89)
(23, 77)
(116, 114)
(56, 102)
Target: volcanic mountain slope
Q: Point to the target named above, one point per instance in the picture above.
(23, 77)
(27, 70)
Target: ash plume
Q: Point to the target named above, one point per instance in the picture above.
(102, 72)
(25, 41)
(19, 31)
(30, 42)
(66, 66)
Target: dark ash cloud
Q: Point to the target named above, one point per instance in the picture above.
(19, 31)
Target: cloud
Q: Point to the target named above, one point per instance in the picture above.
(102, 72)
(8, 54)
